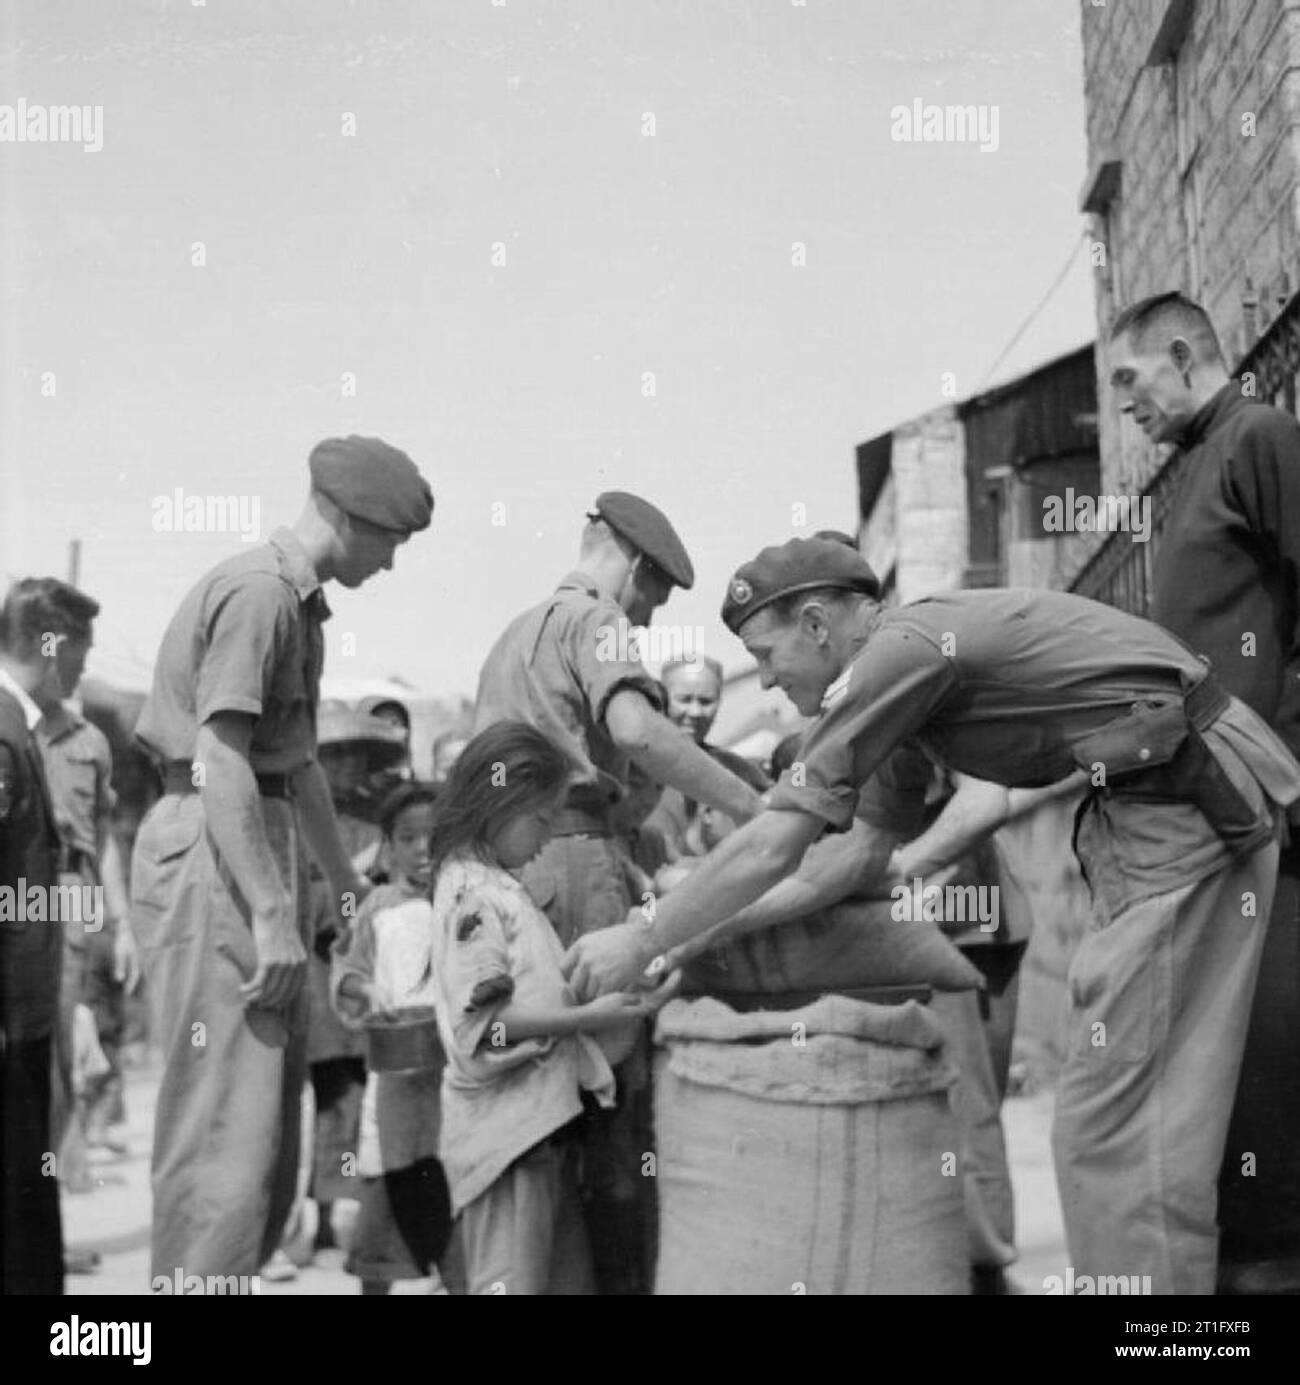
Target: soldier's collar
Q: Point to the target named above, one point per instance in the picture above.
(840, 685)
(579, 581)
(297, 565)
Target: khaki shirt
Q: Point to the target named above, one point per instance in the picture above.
(247, 638)
(79, 771)
(556, 668)
(997, 684)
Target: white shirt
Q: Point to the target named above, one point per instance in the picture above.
(31, 712)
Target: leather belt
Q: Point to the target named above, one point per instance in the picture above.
(1205, 702)
(796, 1000)
(178, 778)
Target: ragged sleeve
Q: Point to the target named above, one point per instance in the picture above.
(476, 982)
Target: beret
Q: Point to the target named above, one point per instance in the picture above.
(369, 480)
(799, 565)
(647, 529)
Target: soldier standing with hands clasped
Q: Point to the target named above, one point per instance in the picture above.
(220, 903)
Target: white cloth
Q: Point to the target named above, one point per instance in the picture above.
(404, 937)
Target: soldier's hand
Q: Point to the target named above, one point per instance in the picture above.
(126, 958)
(658, 995)
(281, 962)
(611, 959)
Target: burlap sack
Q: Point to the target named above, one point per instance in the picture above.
(850, 945)
(811, 1151)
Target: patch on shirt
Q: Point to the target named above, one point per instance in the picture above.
(837, 689)
(488, 992)
(466, 927)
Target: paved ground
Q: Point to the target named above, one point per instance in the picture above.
(114, 1218)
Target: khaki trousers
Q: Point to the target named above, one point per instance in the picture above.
(226, 1128)
(1160, 996)
(526, 1235)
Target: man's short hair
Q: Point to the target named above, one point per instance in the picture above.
(598, 531)
(700, 661)
(1166, 316)
(35, 607)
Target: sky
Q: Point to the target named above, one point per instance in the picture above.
(547, 249)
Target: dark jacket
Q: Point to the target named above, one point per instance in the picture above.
(1226, 578)
(31, 950)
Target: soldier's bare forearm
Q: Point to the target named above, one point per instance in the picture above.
(234, 813)
(668, 757)
(743, 867)
(112, 876)
(832, 869)
(971, 814)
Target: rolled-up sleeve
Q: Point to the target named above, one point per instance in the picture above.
(889, 692)
(597, 643)
(247, 630)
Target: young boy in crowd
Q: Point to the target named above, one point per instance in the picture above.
(386, 964)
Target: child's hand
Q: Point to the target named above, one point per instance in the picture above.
(366, 1000)
(618, 1007)
(374, 1002)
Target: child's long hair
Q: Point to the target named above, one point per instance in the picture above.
(510, 768)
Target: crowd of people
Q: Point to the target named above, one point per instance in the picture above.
(466, 974)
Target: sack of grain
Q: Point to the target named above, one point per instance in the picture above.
(808, 1151)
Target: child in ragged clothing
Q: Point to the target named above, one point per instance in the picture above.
(385, 963)
(519, 1053)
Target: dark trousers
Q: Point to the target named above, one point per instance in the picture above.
(619, 1200)
(31, 1261)
(579, 881)
(338, 1085)
(1259, 1183)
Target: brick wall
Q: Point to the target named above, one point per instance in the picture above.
(1239, 58)
(928, 466)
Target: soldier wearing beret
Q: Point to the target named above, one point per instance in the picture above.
(1177, 839)
(566, 667)
(220, 903)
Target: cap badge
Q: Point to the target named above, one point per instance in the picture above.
(741, 591)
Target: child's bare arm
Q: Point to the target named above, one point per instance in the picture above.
(605, 1012)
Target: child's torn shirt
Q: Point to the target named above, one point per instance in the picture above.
(494, 947)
